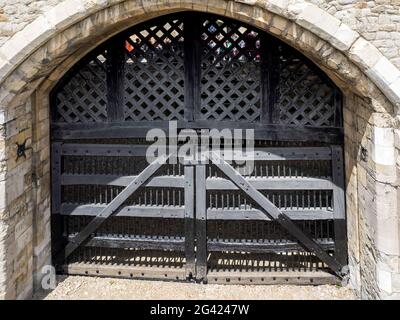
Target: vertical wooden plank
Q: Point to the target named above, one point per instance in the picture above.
(266, 112)
(56, 218)
(339, 208)
(201, 224)
(189, 223)
(338, 104)
(56, 177)
(115, 65)
(192, 60)
(268, 78)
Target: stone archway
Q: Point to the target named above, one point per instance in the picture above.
(34, 59)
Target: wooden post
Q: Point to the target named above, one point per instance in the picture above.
(192, 65)
(339, 208)
(269, 81)
(115, 80)
(201, 224)
(189, 223)
(56, 218)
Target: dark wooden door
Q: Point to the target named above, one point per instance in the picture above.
(116, 214)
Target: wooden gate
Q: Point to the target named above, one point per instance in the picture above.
(115, 214)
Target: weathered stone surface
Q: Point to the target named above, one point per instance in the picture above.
(364, 53)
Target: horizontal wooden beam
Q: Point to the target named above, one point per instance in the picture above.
(293, 277)
(137, 130)
(280, 154)
(267, 154)
(175, 212)
(261, 247)
(122, 181)
(211, 184)
(143, 243)
(127, 211)
(178, 244)
(115, 150)
(273, 184)
(254, 214)
(125, 271)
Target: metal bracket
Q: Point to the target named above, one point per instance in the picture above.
(364, 154)
(21, 149)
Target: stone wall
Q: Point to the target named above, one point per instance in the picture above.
(372, 206)
(15, 15)
(377, 21)
(16, 218)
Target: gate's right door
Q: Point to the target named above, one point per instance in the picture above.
(238, 241)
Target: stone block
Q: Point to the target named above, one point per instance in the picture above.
(393, 92)
(220, 7)
(5, 67)
(280, 7)
(384, 279)
(384, 155)
(384, 73)
(24, 239)
(383, 137)
(387, 238)
(3, 198)
(344, 37)
(364, 53)
(66, 13)
(326, 26)
(383, 146)
(24, 224)
(278, 25)
(23, 43)
(396, 282)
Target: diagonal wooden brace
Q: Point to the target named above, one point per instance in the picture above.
(112, 207)
(272, 211)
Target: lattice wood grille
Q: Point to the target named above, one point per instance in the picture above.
(303, 97)
(223, 71)
(154, 73)
(230, 81)
(83, 97)
(190, 221)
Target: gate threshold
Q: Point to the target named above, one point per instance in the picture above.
(213, 277)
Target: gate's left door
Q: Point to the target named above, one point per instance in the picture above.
(149, 236)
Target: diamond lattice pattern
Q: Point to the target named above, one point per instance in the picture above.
(154, 73)
(230, 81)
(304, 99)
(83, 98)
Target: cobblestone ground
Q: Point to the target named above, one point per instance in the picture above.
(74, 287)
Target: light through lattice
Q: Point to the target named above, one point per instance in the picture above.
(154, 74)
(238, 74)
(230, 69)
